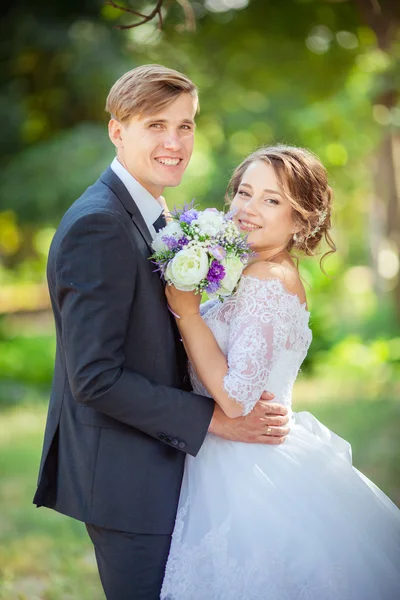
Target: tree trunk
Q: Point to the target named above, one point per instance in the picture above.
(383, 17)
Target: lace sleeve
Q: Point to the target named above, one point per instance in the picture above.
(206, 306)
(258, 331)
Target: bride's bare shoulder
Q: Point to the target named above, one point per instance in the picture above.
(284, 271)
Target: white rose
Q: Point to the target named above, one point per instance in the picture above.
(157, 244)
(233, 270)
(187, 268)
(210, 222)
(173, 229)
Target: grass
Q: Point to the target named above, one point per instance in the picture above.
(45, 556)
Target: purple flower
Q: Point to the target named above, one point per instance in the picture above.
(212, 287)
(160, 268)
(176, 213)
(189, 215)
(218, 252)
(216, 272)
(170, 241)
(230, 214)
(173, 244)
(182, 242)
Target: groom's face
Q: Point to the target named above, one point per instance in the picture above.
(156, 149)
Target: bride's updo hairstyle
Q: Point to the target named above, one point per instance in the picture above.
(304, 182)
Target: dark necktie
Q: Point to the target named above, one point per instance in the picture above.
(160, 222)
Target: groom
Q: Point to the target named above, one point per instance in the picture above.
(121, 414)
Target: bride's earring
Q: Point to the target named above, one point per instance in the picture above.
(295, 237)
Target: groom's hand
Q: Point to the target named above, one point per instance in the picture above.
(265, 424)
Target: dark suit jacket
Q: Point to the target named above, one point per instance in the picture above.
(121, 417)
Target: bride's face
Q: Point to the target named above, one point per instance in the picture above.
(262, 210)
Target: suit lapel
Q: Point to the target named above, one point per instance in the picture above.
(111, 180)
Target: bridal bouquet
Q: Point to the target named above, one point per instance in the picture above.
(201, 251)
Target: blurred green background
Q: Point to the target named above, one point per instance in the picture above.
(324, 74)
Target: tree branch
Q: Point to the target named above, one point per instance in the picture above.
(145, 18)
(190, 18)
(124, 9)
(383, 19)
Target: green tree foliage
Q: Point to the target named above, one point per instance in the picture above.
(305, 72)
(270, 72)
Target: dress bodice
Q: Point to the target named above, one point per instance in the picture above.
(263, 331)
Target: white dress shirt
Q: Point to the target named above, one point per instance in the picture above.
(148, 206)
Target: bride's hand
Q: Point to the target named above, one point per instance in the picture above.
(182, 304)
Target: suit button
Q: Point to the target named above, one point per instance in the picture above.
(175, 442)
(181, 445)
(168, 439)
(161, 436)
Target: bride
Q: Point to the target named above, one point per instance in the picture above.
(289, 522)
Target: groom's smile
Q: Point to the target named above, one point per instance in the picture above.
(169, 162)
(156, 149)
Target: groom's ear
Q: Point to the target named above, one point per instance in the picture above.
(115, 133)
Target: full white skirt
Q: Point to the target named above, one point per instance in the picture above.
(289, 522)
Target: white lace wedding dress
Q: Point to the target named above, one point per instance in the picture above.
(289, 522)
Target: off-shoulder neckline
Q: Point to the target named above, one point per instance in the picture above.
(302, 305)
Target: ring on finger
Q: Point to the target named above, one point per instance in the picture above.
(269, 430)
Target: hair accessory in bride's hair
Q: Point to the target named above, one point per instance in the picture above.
(321, 221)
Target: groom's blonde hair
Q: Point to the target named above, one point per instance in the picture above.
(147, 90)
